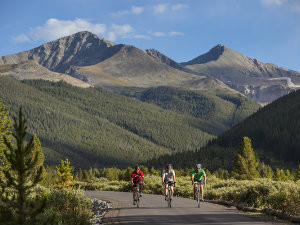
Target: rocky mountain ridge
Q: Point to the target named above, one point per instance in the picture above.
(99, 62)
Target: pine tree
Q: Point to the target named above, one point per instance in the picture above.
(5, 126)
(245, 164)
(79, 174)
(268, 172)
(280, 175)
(37, 147)
(298, 173)
(64, 171)
(24, 174)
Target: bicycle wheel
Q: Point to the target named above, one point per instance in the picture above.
(138, 199)
(198, 197)
(169, 199)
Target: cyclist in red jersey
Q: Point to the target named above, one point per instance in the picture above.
(137, 178)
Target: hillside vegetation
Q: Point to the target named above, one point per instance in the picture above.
(94, 127)
(274, 131)
(219, 110)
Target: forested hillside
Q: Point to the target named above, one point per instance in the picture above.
(95, 127)
(274, 131)
(221, 110)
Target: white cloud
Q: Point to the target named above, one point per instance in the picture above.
(179, 6)
(137, 10)
(111, 36)
(122, 29)
(273, 2)
(176, 33)
(159, 34)
(115, 30)
(120, 13)
(296, 6)
(292, 5)
(141, 36)
(54, 28)
(160, 8)
(21, 38)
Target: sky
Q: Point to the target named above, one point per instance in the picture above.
(268, 30)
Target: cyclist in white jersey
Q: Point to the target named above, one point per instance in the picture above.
(168, 175)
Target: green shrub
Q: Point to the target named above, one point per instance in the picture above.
(67, 207)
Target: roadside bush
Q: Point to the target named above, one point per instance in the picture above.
(259, 193)
(67, 206)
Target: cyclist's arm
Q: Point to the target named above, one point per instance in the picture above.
(131, 180)
(192, 178)
(174, 178)
(163, 178)
(204, 178)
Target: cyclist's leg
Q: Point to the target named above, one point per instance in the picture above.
(201, 190)
(172, 189)
(166, 189)
(141, 186)
(195, 190)
(134, 191)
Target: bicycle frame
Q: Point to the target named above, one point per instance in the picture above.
(198, 193)
(137, 195)
(169, 197)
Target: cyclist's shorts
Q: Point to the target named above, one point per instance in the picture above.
(201, 182)
(136, 183)
(169, 182)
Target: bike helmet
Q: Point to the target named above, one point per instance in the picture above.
(198, 166)
(137, 167)
(169, 166)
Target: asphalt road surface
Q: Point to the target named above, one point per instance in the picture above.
(153, 210)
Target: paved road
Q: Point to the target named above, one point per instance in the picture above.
(153, 210)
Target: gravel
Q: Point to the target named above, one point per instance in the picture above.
(99, 208)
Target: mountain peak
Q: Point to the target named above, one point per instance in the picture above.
(212, 55)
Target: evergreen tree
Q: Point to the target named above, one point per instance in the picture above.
(24, 174)
(298, 173)
(64, 171)
(4, 132)
(267, 172)
(37, 147)
(79, 175)
(289, 175)
(245, 164)
(280, 175)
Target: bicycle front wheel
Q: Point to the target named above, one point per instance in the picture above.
(198, 198)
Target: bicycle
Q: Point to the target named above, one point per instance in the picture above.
(198, 199)
(137, 195)
(169, 196)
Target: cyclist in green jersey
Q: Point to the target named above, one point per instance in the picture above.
(198, 175)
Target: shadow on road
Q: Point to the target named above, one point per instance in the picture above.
(186, 219)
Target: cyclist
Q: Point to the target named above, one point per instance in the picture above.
(198, 175)
(168, 175)
(137, 178)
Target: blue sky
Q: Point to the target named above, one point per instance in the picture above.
(268, 30)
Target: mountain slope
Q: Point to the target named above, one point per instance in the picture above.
(95, 127)
(274, 131)
(170, 62)
(98, 62)
(81, 49)
(246, 75)
(218, 110)
(32, 70)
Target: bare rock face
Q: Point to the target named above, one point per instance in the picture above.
(165, 59)
(98, 62)
(261, 82)
(81, 49)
